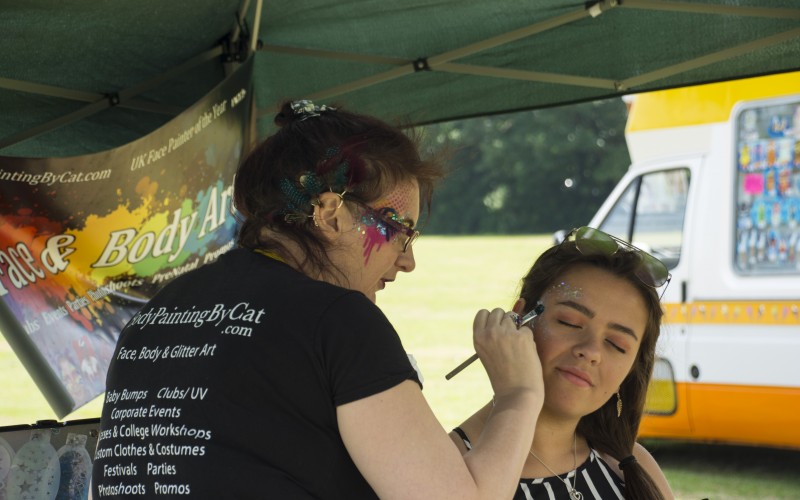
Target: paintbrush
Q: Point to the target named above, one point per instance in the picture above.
(520, 321)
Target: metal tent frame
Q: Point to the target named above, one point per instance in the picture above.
(467, 64)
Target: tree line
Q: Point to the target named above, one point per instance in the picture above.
(528, 172)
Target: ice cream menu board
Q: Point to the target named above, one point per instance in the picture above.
(768, 188)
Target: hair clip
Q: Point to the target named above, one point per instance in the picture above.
(306, 109)
(295, 217)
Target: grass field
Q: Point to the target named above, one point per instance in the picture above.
(432, 309)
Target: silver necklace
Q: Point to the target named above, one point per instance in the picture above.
(573, 493)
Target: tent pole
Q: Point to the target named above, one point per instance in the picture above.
(105, 102)
(169, 74)
(435, 61)
(700, 8)
(256, 26)
(330, 54)
(241, 14)
(89, 110)
(83, 96)
(515, 35)
(530, 76)
(709, 59)
(49, 90)
(235, 50)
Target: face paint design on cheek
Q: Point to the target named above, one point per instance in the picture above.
(377, 232)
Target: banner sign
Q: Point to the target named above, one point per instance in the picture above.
(85, 241)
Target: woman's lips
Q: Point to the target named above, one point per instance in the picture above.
(576, 376)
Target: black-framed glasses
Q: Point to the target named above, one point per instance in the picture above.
(393, 224)
(590, 241)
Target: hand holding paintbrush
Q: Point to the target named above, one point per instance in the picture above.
(537, 310)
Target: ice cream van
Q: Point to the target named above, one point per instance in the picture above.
(714, 191)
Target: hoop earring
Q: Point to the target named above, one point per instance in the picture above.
(619, 404)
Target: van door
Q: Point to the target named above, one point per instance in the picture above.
(649, 210)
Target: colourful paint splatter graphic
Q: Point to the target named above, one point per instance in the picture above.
(85, 241)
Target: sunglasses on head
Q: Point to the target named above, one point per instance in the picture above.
(590, 241)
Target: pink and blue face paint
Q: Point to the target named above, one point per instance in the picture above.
(376, 230)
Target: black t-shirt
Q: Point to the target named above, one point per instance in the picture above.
(225, 385)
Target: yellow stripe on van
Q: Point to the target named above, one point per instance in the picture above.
(739, 312)
(704, 103)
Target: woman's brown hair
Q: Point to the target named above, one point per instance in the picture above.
(268, 190)
(603, 429)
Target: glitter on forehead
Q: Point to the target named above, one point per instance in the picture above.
(567, 291)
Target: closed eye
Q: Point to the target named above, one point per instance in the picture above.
(568, 324)
(615, 346)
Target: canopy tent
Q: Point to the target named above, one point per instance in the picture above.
(85, 75)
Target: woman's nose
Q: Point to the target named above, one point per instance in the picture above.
(589, 348)
(406, 261)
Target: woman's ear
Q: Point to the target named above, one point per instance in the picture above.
(328, 215)
(519, 306)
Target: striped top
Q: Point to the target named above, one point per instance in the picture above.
(595, 481)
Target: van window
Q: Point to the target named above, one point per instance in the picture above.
(768, 189)
(650, 214)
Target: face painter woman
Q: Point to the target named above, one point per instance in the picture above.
(596, 341)
(271, 372)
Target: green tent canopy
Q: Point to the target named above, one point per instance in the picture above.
(81, 76)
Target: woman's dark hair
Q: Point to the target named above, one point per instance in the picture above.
(603, 429)
(269, 191)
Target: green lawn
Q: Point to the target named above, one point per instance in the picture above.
(432, 309)
(20, 400)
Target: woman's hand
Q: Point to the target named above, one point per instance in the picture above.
(421, 461)
(508, 354)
